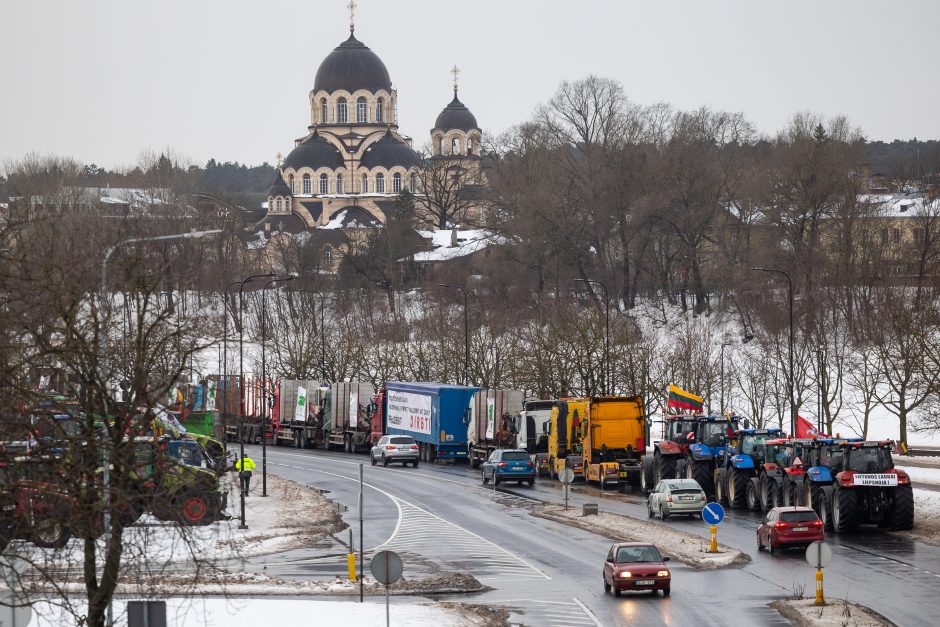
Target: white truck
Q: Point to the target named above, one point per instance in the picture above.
(534, 420)
(299, 424)
(493, 423)
(346, 422)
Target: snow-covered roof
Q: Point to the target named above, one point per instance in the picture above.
(451, 244)
(352, 218)
(127, 195)
(899, 205)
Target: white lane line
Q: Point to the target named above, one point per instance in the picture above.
(587, 611)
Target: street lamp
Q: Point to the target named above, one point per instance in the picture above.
(103, 355)
(722, 369)
(264, 387)
(606, 331)
(819, 383)
(241, 383)
(227, 390)
(791, 377)
(466, 331)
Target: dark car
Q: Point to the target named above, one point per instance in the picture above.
(785, 527)
(509, 465)
(636, 566)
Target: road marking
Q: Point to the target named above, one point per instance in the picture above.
(588, 612)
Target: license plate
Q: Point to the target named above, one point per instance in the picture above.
(645, 582)
(801, 529)
(515, 469)
(686, 498)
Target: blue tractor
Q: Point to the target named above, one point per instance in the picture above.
(738, 471)
(708, 444)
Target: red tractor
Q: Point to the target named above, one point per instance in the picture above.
(770, 475)
(868, 489)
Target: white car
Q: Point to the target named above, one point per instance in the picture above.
(676, 496)
(393, 449)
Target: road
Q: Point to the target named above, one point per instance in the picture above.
(441, 519)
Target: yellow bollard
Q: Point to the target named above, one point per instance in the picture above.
(713, 548)
(819, 588)
(351, 560)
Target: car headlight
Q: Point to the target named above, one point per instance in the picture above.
(663, 573)
(625, 574)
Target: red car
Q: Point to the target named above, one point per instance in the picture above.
(636, 566)
(785, 527)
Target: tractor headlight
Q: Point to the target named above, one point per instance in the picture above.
(625, 574)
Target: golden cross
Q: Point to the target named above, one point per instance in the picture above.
(456, 72)
(352, 15)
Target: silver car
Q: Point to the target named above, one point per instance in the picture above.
(395, 448)
(676, 496)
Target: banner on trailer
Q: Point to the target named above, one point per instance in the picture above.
(490, 418)
(409, 411)
(300, 409)
(354, 409)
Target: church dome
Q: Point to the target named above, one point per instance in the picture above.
(351, 66)
(278, 186)
(388, 152)
(456, 115)
(314, 152)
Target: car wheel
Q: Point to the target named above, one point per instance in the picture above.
(415, 463)
(372, 459)
(606, 586)
(760, 545)
(495, 479)
(384, 460)
(485, 479)
(616, 591)
(662, 515)
(770, 543)
(649, 509)
(531, 482)
(666, 592)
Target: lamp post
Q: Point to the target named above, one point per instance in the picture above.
(791, 377)
(105, 305)
(466, 331)
(264, 387)
(226, 408)
(721, 394)
(606, 331)
(241, 383)
(819, 384)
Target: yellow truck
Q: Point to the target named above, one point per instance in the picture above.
(613, 440)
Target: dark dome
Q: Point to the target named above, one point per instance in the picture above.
(278, 187)
(388, 152)
(314, 152)
(456, 115)
(351, 66)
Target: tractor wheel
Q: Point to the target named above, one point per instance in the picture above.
(902, 514)
(646, 474)
(683, 469)
(752, 497)
(820, 505)
(721, 486)
(665, 468)
(844, 509)
(737, 489)
(50, 533)
(792, 495)
(701, 471)
(195, 508)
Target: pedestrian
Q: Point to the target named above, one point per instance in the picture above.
(244, 466)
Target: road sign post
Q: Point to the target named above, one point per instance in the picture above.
(386, 567)
(567, 476)
(818, 555)
(713, 514)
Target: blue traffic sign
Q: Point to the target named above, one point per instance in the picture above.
(713, 513)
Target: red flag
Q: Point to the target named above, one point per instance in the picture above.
(805, 429)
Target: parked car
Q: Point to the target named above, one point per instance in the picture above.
(636, 566)
(676, 496)
(509, 465)
(785, 527)
(395, 448)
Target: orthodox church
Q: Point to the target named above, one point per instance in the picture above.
(353, 162)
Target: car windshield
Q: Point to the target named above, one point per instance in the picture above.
(792, 517)
(632, 554)
(870, 460)
(754, 445)
(401, 441)
(516, 456)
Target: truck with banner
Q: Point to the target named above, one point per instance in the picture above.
(436, 415)
(297, 419)
(494, 424)
(346, 420)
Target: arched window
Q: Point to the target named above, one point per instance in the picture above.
(379, 183)
(380, 110)
(341, 110)
(306, 183)
(440, 148)
(412, 182)
(455, 146)
(361, 109)
(396, 183)
(328, 257)
(323, 111)
(290, 183)
(277, 204)
(339, 183)
(324, 184)
(469, 145)
(365, 184)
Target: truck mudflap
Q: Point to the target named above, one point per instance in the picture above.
(452, 452)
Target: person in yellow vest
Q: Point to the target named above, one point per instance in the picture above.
(244, 466)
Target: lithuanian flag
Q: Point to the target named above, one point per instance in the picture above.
(682, 402)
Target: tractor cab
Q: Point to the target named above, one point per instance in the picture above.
(753, 443)
(867, 457)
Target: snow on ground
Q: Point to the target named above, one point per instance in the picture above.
(234, 612)
(838, 613)
(920, 474)
(926, 517)
(685, 547)
(919, 461)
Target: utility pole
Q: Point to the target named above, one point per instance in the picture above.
(264, 386)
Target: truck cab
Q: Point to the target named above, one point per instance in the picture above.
(565, 436)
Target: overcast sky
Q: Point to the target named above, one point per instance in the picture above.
(103, 80)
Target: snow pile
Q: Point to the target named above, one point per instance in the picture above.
(926, 517)
(686, 547)
(836, 614)
(919, 474)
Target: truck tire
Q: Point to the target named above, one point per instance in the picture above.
(752, 495)
(820, 504)
(50, 533)
(347, 443)
(737, 488)
(664, 468)
(432, 453)
(844, 509)
(720, 479)
(902, 515)
(701, 471)
(646, 475)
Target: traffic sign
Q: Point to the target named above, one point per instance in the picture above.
(818, 554)
(386, 567)
(566, 475)
(713, 513)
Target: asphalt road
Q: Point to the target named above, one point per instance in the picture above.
(441, 519)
